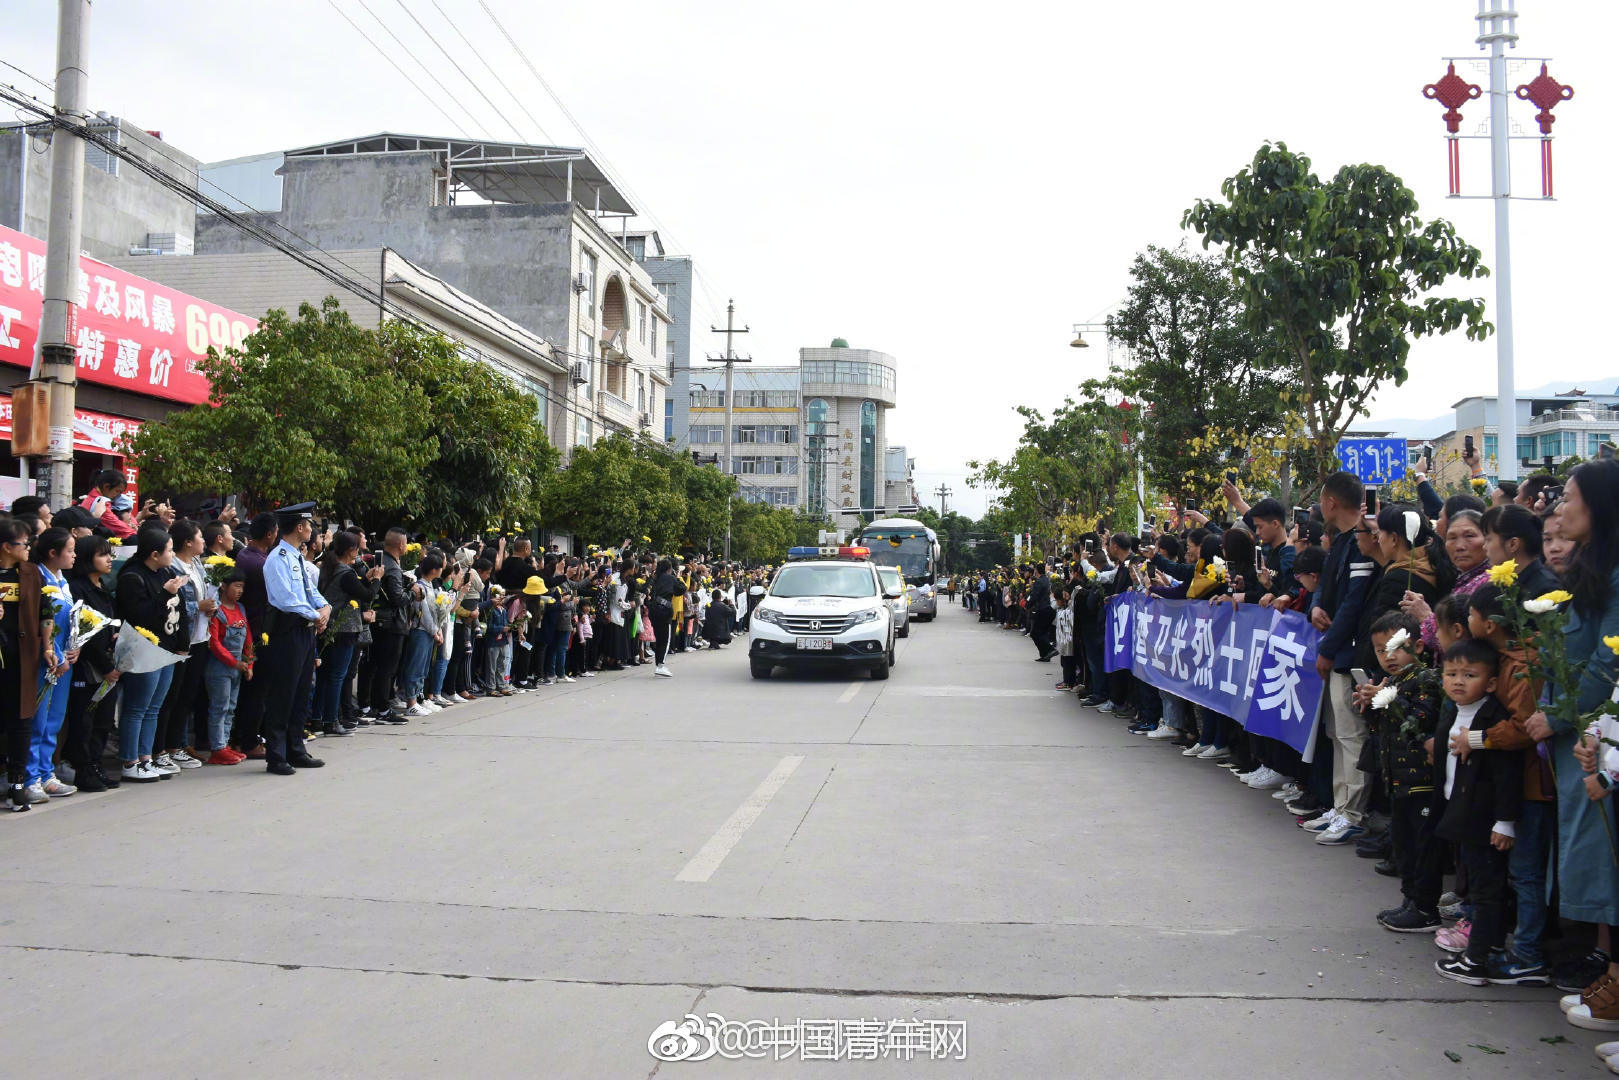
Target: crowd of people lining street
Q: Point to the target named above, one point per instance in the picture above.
(136, 644)
(1445, 744)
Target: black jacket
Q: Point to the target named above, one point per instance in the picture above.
(393, 599)
(95, 659)
(718, 622)
(1488, 786)
(142, 601)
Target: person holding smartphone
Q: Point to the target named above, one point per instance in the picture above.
(1335, 611)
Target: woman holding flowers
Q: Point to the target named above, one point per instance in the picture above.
(148, 601)
(47, 603)
(1588, 871)
(87, 727)
(176, 729)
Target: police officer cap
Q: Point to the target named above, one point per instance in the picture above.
(288, 517)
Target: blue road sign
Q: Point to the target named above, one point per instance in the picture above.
(1375, 461)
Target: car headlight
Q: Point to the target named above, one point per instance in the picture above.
(869, 615)
(769, 615)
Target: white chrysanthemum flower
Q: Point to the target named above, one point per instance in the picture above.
(1384, 697)
(1396, 642)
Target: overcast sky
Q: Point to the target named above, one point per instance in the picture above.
(954, 184)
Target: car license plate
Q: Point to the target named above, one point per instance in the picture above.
(815, 643)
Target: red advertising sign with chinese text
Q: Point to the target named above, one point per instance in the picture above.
(133, 334)
(93, 433)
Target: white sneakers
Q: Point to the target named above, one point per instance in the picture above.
(185, 760)
(1265, 779)
(58, 790)
(1289, 792)
(1162, 731)
(418, 710)
(663, 670)
(165, 765)
(1195, 750)
(1212, 753)
(142, 772)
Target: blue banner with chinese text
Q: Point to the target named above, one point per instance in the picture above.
(1250, 663)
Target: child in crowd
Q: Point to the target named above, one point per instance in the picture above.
(498, 633)
(1403, 725)
(1307, 567)
(230, 661)
(1065, 640)
(585, 636)
(1519, 691)
(1482, 796)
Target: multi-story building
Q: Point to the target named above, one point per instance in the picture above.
(123, 207)
(899, 478)
(522, 228)
(1573, 423)
(812, 436)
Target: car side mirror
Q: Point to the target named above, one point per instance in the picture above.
(892, 595)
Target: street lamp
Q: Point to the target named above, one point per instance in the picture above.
(1079, 342)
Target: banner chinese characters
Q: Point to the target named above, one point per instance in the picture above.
(1250, 663)
(133, 334)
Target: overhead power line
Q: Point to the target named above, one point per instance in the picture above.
(440, 46)
(607, 166)
(471, 116)
(545, 135)
(431, 100)
(327, 266)
(48, 86)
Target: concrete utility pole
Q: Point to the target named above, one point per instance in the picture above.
(730, 360)
(1497, 24)
(57, 361)
(942, 491)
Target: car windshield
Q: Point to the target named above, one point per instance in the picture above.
(851, 581)
(892, 578)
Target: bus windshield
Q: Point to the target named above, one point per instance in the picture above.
(912, 554)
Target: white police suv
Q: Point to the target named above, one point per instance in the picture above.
(826, 607)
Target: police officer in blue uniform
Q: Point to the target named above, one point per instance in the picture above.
(295, 615)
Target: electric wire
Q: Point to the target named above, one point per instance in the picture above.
(431, 100)
(471, 116)
(493, 74)
(248, 226)
(48, 86)
(454, 63)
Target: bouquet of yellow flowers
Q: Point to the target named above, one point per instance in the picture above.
(218, 568)
(52, 602)
(86, 623)
(412, 556)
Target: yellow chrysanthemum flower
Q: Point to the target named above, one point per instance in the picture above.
(147, 634)
(1556, 596)
(1612, 643)
(1505, 574)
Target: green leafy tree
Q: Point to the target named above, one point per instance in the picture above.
(707, 491)
(761, 533)
(618, 488)
(1078, 466)
(1206, 379)
(307, 408)
(493, 453)
(1339, 276)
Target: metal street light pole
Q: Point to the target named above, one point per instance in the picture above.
(1497, 30)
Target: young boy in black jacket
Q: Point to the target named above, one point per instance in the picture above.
(1478, 797)
(1407, 716)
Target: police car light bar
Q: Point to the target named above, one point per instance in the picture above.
(828, 552)
(854, 552)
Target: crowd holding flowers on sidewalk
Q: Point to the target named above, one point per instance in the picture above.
(1469, 723)
(136, 644)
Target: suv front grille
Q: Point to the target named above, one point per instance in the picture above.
(816, 624)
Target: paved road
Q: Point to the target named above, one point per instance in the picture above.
(529, 887)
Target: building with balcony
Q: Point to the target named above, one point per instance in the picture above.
(524, 229)
(1561, 425)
